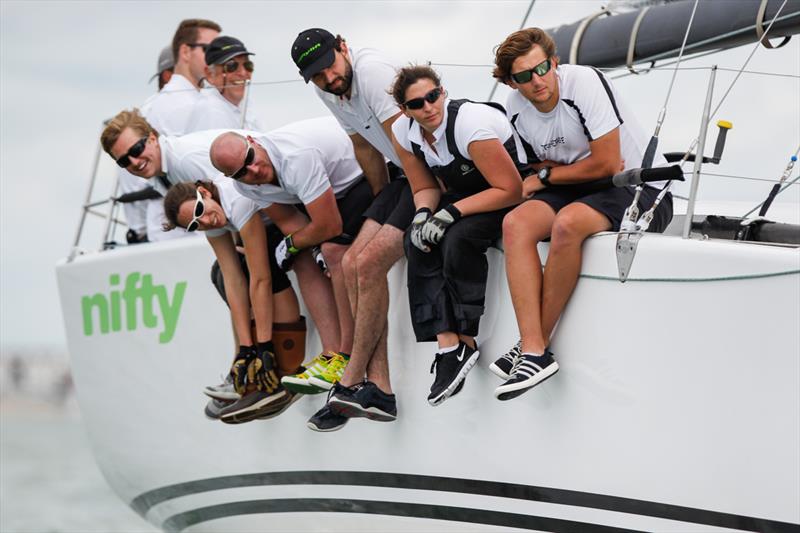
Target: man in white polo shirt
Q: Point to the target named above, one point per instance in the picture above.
(308, 163)
(228, 69)
(353, 83)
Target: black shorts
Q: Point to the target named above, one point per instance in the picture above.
(351, 206)
(610, 202)
(394, 205)
(280, 281)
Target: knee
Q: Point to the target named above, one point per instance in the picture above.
(349, 262)
(333, 253)
(369, 265)
(520, 229)
(567, 230)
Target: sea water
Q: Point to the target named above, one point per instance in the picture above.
(49, 481)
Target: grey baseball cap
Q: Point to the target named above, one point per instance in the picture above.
(165, 61)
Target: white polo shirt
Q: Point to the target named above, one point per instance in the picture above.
(186, 158)
(588, 108)
(170, 110)
(475, 122)
(213, 111)
(370, 103)
(309, 157)
(238, 208)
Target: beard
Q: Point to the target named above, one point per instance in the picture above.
(346, 81)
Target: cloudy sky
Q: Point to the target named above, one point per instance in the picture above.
(66, 66)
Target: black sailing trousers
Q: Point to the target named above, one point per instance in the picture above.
(447, 286)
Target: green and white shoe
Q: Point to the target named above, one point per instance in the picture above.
(301, 382)
(333, 372)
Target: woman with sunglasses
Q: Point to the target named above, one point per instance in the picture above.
(461, 161)
(218, 210)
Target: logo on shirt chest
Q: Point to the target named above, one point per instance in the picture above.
(553, 143)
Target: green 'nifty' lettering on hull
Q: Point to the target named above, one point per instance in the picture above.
(138, 289)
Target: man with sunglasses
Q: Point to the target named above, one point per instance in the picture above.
(352, 82)
(227, 73)
(579, 131)
(309, 164)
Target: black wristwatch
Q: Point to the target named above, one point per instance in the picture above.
(544, 175)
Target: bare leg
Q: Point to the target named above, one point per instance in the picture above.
(571, 227)
(350, 261)
(333, 256)
(318, 296)
(523, 228)
(446, 339)
(378, 366)
(285, 306)
(373, 264)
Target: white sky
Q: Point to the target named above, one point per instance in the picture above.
(66, 66)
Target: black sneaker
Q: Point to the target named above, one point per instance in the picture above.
(529, 371)
(325, 420)
(366, 401)
(451, 369)
(502, 367)
(251, 406)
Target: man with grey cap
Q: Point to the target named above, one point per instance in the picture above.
(353, 83)
(165, 67)
(227, 75)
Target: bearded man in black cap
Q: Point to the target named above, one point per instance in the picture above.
(352, 83)
(227, 74)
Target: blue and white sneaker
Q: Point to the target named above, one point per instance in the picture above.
(529, 371)
(505, 363)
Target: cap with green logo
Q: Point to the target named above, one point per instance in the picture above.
(312, 51)
(224, 48)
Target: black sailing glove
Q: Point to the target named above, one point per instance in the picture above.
(239, 368)
(261, 370)
(434, 228)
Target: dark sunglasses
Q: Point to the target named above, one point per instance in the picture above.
(199, 209)
(526, 75)
(419, 103)
(204, 46)
(248, 160)
(233, 65)
(134, 151)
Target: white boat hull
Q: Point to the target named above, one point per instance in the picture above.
(677, 406)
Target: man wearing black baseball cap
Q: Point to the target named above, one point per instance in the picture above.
(227, 74)
(352, 83)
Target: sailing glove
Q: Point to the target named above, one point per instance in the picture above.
(239, 368)
(261, 370)
(285, 253)
(420, 218)
(434, 228)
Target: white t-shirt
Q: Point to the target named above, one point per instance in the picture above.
(475, 122)
(309, 157)
(186, 158)
(213, 111)
(370, 103)
(169, 111)
(238, 208)
(588, 108)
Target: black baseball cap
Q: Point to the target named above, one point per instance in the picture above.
(224, 48)
(312, 51)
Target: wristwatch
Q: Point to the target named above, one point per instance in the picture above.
(544, 175)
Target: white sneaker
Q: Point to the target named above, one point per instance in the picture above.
(223, 391)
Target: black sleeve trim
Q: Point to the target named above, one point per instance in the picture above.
(610, 94)
(580, 116)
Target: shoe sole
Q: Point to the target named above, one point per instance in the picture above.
(281, 409)
(315, 428)
(213, 413)
(224, 396)
(505, 376)
(253, 408)
(301, 386)
(446, 393)
(509, 392)
(321, 383)
(356, 410)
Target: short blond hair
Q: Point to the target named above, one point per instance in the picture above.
(125, 119)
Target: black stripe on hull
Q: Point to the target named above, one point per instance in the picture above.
(181, 521)
(144, 502)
